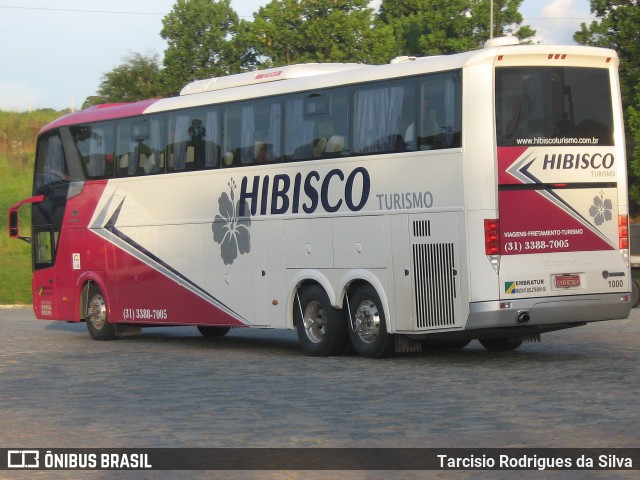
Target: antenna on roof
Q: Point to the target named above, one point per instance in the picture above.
(491, 20)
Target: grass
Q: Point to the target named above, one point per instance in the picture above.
(18, 133)
(15, 279)
(15, 255)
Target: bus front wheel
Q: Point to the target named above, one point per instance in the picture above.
(368, 329)
(97, 321)
(502, 344)
(212, 332)
(322, 329)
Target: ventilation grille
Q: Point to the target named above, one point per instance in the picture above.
(434, 282)
(422, 228)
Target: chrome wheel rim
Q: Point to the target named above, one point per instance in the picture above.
(315, 322)
(97, 311)
(367, 321)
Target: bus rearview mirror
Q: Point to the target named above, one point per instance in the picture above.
(13, 224)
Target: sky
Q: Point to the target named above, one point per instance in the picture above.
(54, 53)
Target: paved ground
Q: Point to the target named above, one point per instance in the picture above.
(169, 387)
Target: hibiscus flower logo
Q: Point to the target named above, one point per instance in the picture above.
(229, 229)
(601, 210)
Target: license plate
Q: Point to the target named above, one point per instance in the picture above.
(567, 281)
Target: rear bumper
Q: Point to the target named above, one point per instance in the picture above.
(548, 311)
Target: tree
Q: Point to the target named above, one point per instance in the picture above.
(433, 27)
(135, 79)
(202, 37)
(617, 28)
(286, 32)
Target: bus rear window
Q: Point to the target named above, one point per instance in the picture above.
(553, 106)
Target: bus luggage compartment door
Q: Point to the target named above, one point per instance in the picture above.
(433, 278)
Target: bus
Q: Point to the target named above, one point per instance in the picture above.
(377, 208)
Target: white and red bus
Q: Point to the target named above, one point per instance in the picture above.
(480, 195)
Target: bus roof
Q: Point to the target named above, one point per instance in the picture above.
(270, 75)
(103, 112)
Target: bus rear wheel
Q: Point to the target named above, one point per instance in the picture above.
(97, 321)
(368, 329)
(501, 344)
(322, 329)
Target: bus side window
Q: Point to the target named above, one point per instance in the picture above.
(194, 140)
(150, 146)
(336, 129)
(95, 145)
(300, 130)
(382, 115)
(440, 112)
(125, 150)
(253, 133)
(208, 151)
(268, 132)
(317, 125)
(178, 141)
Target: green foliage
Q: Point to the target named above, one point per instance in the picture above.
(434, 27)
(18, 132)
(617, 28)
(202, 37)
(632, 124)
(136, 79)
(15, 256)
(301, 31)
(207, 39)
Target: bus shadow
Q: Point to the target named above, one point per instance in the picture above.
(278, 341)
(66, 326)
(531, 354)
(240, 339)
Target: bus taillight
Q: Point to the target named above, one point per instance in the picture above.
(492, 237)
(623, 231)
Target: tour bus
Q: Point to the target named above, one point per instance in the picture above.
(377, 208)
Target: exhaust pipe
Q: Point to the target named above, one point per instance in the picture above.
(523, 317)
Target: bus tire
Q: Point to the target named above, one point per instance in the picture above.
(322, 329)
(367, 327)
(635, 293)
(211, 332)
(97, 321)
(501, 344)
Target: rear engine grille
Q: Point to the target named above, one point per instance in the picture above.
(434, 283)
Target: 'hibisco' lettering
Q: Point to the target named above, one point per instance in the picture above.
(581, 161)
(282, 194)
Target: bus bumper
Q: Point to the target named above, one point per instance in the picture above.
(532, 312)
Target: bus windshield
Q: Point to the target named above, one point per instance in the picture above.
(553, 106)
(51, 164)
